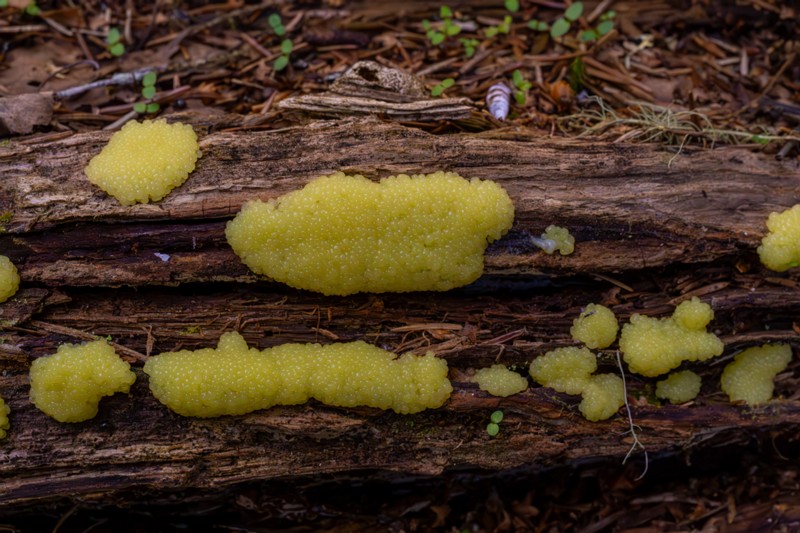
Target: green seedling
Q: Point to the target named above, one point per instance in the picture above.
(148, 92)
(512, 5)
(276, 24)
(442, 86)
(605, 25)
(32, 9)
(115, 47)
(448, 28)
(497, 417)
(283, 60)
(521, 87)
(504, 27)
(492, 429)
(470, 45)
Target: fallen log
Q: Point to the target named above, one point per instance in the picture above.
(653, 227)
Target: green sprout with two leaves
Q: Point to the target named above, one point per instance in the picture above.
(114, 42)
(442, 86)
(287, 46)
(521, 87)
(148, 92)
(562, 25)
(447, 29)
(493, 427)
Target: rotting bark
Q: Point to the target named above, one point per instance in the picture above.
(674, 225)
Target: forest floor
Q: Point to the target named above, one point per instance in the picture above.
(691, 72)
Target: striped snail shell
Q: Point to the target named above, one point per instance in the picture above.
(498, 100)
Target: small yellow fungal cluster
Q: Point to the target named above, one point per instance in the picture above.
(69, 384)
(234, 379)
(596, 327)
(566, 370)
(564, 241)
(652, 346)
(750, 376)
(498, 380)
(679, 387)
(9, 279)
(346, 234)
(5, 425)
(145, 161)
(780, 249)
(569, 370)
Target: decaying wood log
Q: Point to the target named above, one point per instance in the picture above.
(653, 227)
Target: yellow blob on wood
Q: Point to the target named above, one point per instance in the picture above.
(596, 327)
(346, 234)
(780, 249)
(750, 377)
(69, 384)
(563, 240)
(5, 425)
(653, 346)
(564, 369)
(498, 380)
(9, 279)
(144, 161)
(602, 395)
(234, 379)
(679, 387)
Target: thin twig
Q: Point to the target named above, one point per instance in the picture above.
(636, 442)
(121, 78)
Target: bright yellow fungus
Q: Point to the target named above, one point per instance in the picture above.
(564, 369)
(780, 249)
(555, 238)
(5, 425)
(498, 380)
(603, 395)
(750, 376)
(346, 234)
(596, 327)
(679, 387)
(234, 379)
(69, 384)
(145, 161)
(653, 346)
(9, 279)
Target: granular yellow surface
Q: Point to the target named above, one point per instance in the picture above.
(9, 279)
(234, 379)
(346, 234)
(145, 161)
(679, 387)
(498, 380)
(780, 249)
(564, 369)
(564, 241)
(69, 384)
(4, 423)
(653, 346)
(750, 376)
(603, 395)
(596, 327)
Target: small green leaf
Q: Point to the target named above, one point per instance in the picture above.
(608, 15)
(491, 31)
(445, 12)
(520, 97)
(140, 107)
(280, 31)
(574, 11)
(447, 82)
(437, 38)
(437, 90)
(492, 429)
(113, 36)
(32, 9)
(274, 20)
(281, 63)
(587, 35)
(517, 78)
(149, 79)
(559, 28)
(117, 50)
(538, 25)
(512, 5)
(426, 24)
(452, 29)
(604, 27)
(149, 92)
(497, 417)
(153, 107)
(286, 46)
(3, 3)
(760, 139)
